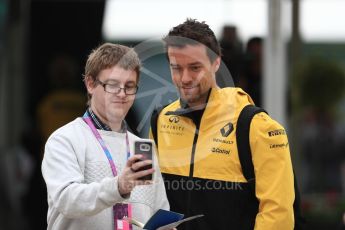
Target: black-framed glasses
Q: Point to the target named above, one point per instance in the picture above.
(115, 89)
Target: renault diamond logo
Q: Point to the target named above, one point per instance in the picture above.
(174, 119)
(227, 129)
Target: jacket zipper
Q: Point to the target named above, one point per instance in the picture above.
(191, 171)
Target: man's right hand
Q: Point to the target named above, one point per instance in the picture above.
(129, 178)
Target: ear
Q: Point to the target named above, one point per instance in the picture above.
(216, 64)
(90, 84)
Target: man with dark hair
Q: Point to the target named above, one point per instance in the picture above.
(196, 139)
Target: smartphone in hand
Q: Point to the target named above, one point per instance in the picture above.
(144, 147)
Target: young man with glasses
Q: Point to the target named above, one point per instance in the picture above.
(88, 166)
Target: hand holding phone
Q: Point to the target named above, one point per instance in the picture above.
(132, 173)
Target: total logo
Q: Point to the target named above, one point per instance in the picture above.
(221, 151)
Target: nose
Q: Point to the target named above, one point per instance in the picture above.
(185, 77)
(122, 93)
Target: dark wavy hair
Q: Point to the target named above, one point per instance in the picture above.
(196, 33)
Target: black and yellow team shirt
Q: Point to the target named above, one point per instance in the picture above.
(200, 164)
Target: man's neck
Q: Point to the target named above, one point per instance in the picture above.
(201, 104)
(197, 106)
(114, 125)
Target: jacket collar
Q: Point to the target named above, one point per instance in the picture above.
(100, 125)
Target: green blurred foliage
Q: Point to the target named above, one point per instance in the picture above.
(321, 83)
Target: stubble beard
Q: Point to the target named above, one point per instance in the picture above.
(196, 97)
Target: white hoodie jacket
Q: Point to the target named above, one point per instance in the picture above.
(81, 187)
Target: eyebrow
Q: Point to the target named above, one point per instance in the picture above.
(111, 81)
(130, 82)
(190, 64)
(195, 63)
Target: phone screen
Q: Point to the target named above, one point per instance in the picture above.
(144, 148)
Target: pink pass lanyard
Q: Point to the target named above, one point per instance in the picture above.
(87, 119)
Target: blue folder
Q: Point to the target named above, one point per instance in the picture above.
(161, 218)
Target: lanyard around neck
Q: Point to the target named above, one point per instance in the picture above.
(89, 122)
